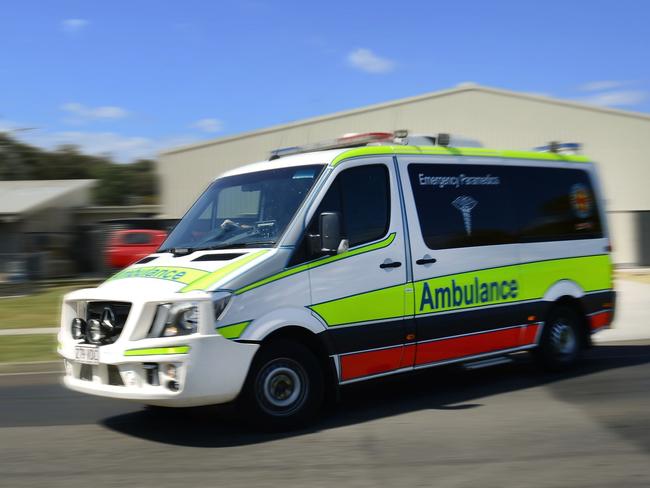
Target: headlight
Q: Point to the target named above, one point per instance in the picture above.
(175, 320)
(78, 328)
(95, 332)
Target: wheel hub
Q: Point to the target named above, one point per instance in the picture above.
(281, 386)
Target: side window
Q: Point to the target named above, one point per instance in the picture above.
(362, 196)
(464, 205)
(365, 196)
(556, 204)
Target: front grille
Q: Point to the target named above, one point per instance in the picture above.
(114, 377)
(86, 372)
(111, 317)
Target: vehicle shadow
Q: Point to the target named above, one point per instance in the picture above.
(444, 388)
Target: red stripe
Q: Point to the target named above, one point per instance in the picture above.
(600, 320)
(408, 356)
(385, 360)
(431, 352)
(529, 334)
(371, 362)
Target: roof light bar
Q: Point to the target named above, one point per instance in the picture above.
(356, 140)
(348, 140)
(560, 147)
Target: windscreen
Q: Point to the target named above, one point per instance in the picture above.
(247, 210)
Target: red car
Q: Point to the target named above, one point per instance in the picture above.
(127, 246)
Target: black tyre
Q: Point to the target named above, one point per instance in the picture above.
(561, 343)
(284, 388)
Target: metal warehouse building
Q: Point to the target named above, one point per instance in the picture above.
(618, 140)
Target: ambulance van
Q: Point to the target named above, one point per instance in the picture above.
(345, 261)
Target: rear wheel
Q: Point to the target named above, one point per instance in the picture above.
(561, 343)
(284, 388)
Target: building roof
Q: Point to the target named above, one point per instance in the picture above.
(19, 197)
(463, 87)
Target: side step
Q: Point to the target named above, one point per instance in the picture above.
(487, 362)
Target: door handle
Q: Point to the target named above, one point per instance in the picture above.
(391, 264)
(426, 261)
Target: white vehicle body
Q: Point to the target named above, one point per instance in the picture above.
(385, 306)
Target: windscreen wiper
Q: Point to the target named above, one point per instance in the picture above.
(238, 244)
(184, 251)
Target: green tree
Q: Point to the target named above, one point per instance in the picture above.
(119, 184)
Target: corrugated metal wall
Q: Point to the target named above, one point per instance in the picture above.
(618, 141)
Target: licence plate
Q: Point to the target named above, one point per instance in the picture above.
(87, 354)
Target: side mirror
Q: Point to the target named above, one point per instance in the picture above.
(330, 232)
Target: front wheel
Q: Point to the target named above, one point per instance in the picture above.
(284, 388)
(561, 342)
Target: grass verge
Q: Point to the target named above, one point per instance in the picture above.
(23, 348)
(42, 309)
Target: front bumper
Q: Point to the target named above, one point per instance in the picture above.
(213, 370)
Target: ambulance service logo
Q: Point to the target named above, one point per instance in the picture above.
(465, 204)
(581, 201)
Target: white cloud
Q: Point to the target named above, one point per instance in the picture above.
(616, 98)
(602, 85)
(119, 147)
(81, 113)
(72, 26)
(8, 125)
(208, 125)
(128, 147)
(365, 60)
(14, 128)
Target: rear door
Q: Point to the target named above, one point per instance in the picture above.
(462, 229)
(362, 294)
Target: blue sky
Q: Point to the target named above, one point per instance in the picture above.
(133, 77)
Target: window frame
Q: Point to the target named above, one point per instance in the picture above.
(515, 190)
(460, 165)
(296, 259)
(575, 236)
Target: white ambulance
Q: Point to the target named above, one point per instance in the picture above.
(346, 261)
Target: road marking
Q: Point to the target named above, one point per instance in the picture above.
(35, 330)
(35, 372)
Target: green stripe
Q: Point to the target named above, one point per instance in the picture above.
(385, 303)
(169, 273)
(319, 262)
(454, 151)
(206, 282)
(591, 273)
(158, 351)
(233, 331)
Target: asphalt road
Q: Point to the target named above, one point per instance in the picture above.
(504, 426)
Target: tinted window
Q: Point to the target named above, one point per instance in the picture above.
(464, 205)
(362, 196)
(556, 204)
(137, 238)
(365, 197)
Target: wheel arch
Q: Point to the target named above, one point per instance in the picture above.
(319, 345)
(569, 293)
